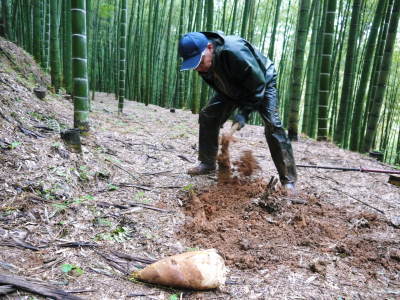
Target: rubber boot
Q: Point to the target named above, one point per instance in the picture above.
(201, 169)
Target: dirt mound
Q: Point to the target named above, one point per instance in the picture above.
(256, 225)
(233, 218)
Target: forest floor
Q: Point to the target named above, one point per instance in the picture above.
(128, 192)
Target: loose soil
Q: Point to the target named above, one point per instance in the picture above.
(128, 192)
(255, 229)
(257, 226)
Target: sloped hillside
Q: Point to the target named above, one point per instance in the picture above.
(76, 222)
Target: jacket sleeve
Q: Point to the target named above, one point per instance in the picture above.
(246, 71)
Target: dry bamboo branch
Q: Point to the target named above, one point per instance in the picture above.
(36, 288)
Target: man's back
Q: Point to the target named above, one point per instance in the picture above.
(239, 71)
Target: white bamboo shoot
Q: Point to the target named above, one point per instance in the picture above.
(198, 270)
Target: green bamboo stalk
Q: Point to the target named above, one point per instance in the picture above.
(233, 19)
(325, 73)
(79, 65)
(309, 101)
(245, 20)
(159, 47)
(94, 74)
(136, 48)
(46, 46)
(342, 20)
(122, 56)
(383, 75)
(284, 66)
(166, 74)
(223, 19)
(130, 61)
(366, 69)
(67, 47)
(195, 98)
(274, 28)
(209, 12)
(378, 57)
(348, 78)
(251, 21)
(178, 98)
(54, 46)
(4, 19)
(283, 61)
(318, 59)
(89, 36)
(297, 68)
(265, 26)
(115, 49)
(37, 30)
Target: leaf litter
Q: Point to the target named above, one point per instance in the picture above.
(322, 244)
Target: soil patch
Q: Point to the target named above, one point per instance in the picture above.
(255, 225)
(328, 248)
(232, 218)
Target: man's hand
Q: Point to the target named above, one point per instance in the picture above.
(240, 119)
(242, 116)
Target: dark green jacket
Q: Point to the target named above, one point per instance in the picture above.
(239, 72)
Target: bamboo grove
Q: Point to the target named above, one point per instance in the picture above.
(338, 60)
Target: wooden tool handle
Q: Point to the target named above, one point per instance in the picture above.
(234, 128)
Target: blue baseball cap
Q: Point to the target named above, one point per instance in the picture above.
(191, 48)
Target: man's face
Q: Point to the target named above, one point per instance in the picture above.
(206, 60)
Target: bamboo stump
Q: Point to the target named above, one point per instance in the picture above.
(394, 180)
(40, 92)
(71, 138)
(377, 155)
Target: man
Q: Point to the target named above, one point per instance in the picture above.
(242, 78)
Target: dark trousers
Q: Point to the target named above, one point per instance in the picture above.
(217, 112)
